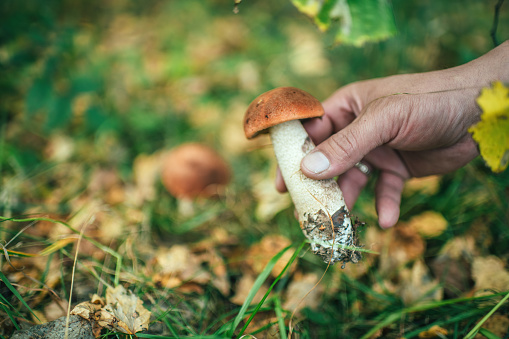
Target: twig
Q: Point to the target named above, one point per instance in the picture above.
(493, 32)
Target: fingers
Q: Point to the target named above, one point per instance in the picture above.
(388, 198)
(280, 183)
(351, 184)
(342, 150)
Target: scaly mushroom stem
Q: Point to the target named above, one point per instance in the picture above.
(323, 215)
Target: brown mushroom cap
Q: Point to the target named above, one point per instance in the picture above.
(277, 106)
(194, 170)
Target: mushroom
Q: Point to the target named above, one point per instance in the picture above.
(322, 212)
(191, 171)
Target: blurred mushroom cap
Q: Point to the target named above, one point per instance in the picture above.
(194, 170)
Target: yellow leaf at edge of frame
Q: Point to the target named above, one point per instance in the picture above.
(492, 132)
(494, 100)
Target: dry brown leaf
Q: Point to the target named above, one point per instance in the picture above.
(454, 274)
(490, 275)
(55, 309)
(434, 332)
(259, 255)
(243, 287)
(401, 244)
(262, 320)
(177, 265)
(303, 291)
(460, 247)
(417, 285)
(216, 263)
(87, 310)
(428, 224)
(452, 265)
(124, 312)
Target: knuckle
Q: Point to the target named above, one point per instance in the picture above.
(343, 146)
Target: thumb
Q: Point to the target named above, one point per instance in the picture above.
(343, 150)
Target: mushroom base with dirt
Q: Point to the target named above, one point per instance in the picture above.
(320, 205)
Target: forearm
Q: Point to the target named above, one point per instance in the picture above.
(492, 66)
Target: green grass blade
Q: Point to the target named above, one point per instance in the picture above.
(292, 259)
(16, 293)
(280, 317)
(474, 331)
(6, 310)
(455, 319)
(257, 284)
(395, 316)
(93, 241)
(488, 334)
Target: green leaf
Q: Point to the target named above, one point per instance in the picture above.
(360, 21)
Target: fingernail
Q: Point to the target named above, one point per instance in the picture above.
(316, 162)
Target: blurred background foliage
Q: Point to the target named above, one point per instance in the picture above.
(117, 79)
(123, 77)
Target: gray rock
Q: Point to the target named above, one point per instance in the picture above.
(79, 328)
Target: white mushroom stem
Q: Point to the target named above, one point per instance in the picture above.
(321, 208)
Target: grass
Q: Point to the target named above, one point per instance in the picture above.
(87, 89)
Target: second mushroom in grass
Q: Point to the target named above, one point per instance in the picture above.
(322, 212)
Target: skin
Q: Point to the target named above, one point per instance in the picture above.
(404, 126)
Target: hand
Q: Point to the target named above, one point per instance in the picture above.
(405, 126)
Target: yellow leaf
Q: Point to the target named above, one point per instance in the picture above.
(429, 224)
(494, 100)
(492, 132)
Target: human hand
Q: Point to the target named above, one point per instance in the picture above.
(405, 126)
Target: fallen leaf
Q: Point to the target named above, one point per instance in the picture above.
(428, 224)
(303, 291)
(489, 275)
(434, 332)
(460, 247)
(259, 255)
(86, 310)
(426, 185)
(401, 244)
(417, 285)
(261, 325)
(217, 266)
(177, 265)
(124, 312)
(452, 266)
(243, 287)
